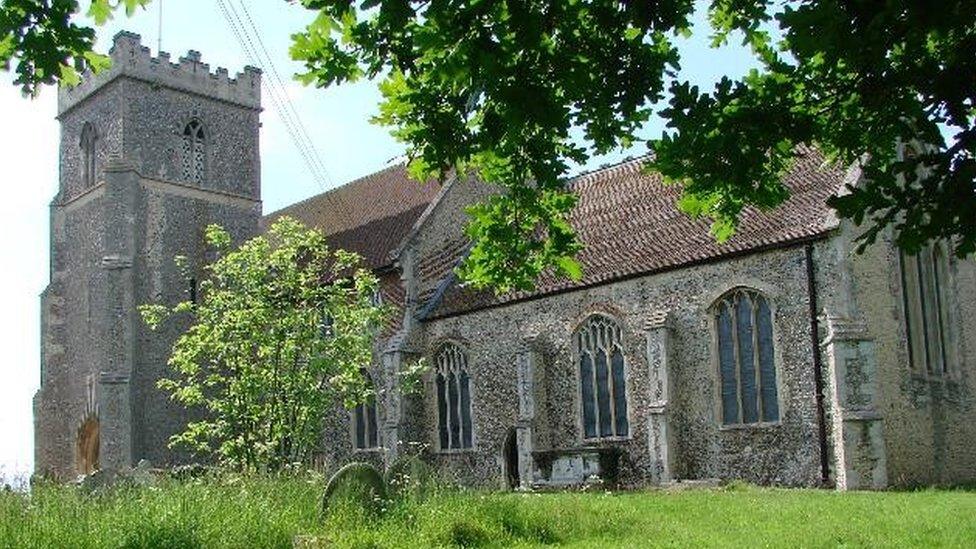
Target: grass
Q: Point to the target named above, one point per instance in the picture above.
(270, 512)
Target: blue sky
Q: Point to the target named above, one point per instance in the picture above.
(337, 121)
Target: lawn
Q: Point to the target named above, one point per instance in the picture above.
(262, 512)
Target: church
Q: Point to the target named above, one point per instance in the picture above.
(779, 357)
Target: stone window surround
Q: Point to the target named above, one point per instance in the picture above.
(434, 349)
(198, 143)
(953, 368)
(772, 299)
(952, 374)
(581, 429)
(88, 143)
(616, 315)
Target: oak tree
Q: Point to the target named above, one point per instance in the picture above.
(519, 90)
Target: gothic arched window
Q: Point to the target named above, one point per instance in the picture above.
(364, 419)
(746, 358)
(453, 398)
(193, 151)
(87, 144)
(603, 387)
(925, 285)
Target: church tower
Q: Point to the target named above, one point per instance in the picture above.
(151, 153)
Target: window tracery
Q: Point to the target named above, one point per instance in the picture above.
(746, 358)
(603, 393)
(364, 419)
(925, 290)
(453, 398)
(194, 143)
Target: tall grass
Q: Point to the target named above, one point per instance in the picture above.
(235, 512)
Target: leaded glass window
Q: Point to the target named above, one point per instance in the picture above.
(746, 358)
(364, 419)
(193, 151)
(87, 144)
(453, 387)
(603, 387)
(925, 285)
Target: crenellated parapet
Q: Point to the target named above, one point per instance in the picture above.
(130, 58)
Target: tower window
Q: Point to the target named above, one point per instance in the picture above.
(193, 151)
(193, 290)
(87, 144)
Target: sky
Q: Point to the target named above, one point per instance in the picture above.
(337, 121)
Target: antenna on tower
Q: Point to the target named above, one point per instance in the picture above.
(159, 29)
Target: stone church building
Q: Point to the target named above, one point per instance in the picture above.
(778, 357)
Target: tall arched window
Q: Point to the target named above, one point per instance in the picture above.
(744, 330)
(193, 151)
(364, 419)
(925, 285)
(87, 144)
(603, 388)
(453, 398)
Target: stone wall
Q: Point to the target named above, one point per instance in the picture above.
(114, 242)
(68, 358)
(155, 117)
(105, 115)
(783, 453)
(929, 421)
(435, 247)
(171, 222)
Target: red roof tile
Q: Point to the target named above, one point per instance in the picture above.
(629, 224)
(369, 216)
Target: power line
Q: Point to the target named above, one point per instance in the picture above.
(283, 104)
(247, 45)
(284, 91)
(280, 93)
(245, 42)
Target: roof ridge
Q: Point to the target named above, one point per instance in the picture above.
(572, 180)
(587, 175)
(337, 188)
(629, 224)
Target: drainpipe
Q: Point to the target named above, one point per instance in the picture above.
(817, 365)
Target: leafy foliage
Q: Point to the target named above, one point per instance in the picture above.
(281, 332)
(500, 88)
(495, 87)
(47, 46)
(864, 81)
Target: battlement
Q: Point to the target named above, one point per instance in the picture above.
(130, 58)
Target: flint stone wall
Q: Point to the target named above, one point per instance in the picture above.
(113, 244)
(785, 453)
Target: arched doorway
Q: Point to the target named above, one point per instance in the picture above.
(87, 446)
(510, 453)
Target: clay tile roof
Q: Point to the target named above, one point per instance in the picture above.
(369, 216)
(629, 224)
